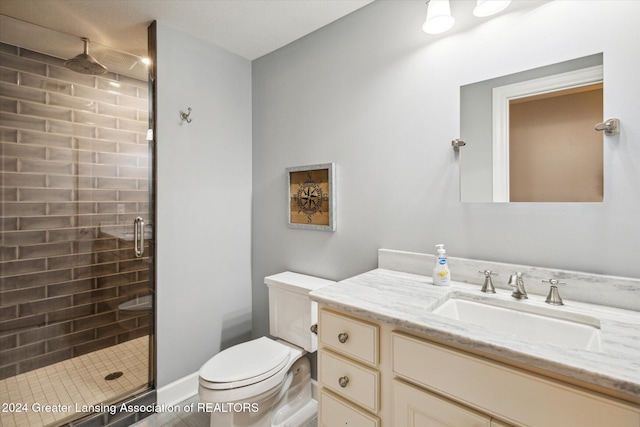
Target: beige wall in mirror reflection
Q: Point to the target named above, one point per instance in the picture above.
(555, 154)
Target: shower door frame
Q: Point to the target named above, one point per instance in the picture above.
(144, 396)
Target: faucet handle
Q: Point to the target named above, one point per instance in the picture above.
(487, 273)
(488, 287)
(516, 281)
(554, 296)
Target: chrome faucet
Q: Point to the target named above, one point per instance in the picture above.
(554, 296)
(488, 287)
(516, 281)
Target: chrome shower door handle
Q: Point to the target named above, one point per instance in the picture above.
(138, 237)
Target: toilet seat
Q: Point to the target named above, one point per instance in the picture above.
(245, 364)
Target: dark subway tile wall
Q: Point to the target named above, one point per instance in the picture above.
(74, 175)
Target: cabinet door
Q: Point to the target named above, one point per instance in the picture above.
(414, 407)
(520, 397)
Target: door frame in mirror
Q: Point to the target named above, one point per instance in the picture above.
(500, 114)
(476, 123)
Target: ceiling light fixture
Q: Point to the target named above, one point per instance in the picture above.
(439, 17)
(490, 7)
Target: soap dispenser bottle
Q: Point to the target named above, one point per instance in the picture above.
(441, 273)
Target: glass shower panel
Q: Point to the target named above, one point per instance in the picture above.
(76, 282)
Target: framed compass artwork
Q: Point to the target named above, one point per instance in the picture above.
(312, 197)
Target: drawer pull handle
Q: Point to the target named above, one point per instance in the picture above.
(314, 328)
(343, 337)
(343, 381)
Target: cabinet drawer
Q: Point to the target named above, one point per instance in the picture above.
(335, 412)
(357, 383)
(516, 396)
(349, 336)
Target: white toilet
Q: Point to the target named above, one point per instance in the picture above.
(266, 382)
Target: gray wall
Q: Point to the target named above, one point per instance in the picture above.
(203, 202)
(380, 98)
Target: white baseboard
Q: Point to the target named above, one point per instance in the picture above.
(187, 387)
(179, 390)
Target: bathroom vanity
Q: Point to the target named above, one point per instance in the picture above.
(391, 355)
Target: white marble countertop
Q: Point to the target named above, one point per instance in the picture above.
(406, 300)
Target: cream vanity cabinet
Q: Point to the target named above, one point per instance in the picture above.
(385, 377)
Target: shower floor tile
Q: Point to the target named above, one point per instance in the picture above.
(70, 385)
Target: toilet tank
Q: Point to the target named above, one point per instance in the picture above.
(291, 312)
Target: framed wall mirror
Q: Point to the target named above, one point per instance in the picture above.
(530, 136)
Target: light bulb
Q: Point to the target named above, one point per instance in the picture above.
(490, 7)
(439, 17)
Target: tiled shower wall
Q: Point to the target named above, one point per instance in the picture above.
(75, 175)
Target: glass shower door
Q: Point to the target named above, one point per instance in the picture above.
(76, 266)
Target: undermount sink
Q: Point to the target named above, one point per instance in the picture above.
(527, 322)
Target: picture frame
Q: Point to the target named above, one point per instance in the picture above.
(311, 194)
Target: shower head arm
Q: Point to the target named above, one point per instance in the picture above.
(86, 45)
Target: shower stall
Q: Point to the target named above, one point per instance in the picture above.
(77, 240)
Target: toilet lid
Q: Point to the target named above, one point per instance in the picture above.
(256, 359)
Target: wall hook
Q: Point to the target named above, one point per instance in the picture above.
(185, 116)
(610, 127)
(457, 143)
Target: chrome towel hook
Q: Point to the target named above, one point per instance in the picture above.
(457, 143)
(185, 116)
(610, 127)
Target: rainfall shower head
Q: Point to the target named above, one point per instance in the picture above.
(85, 63)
